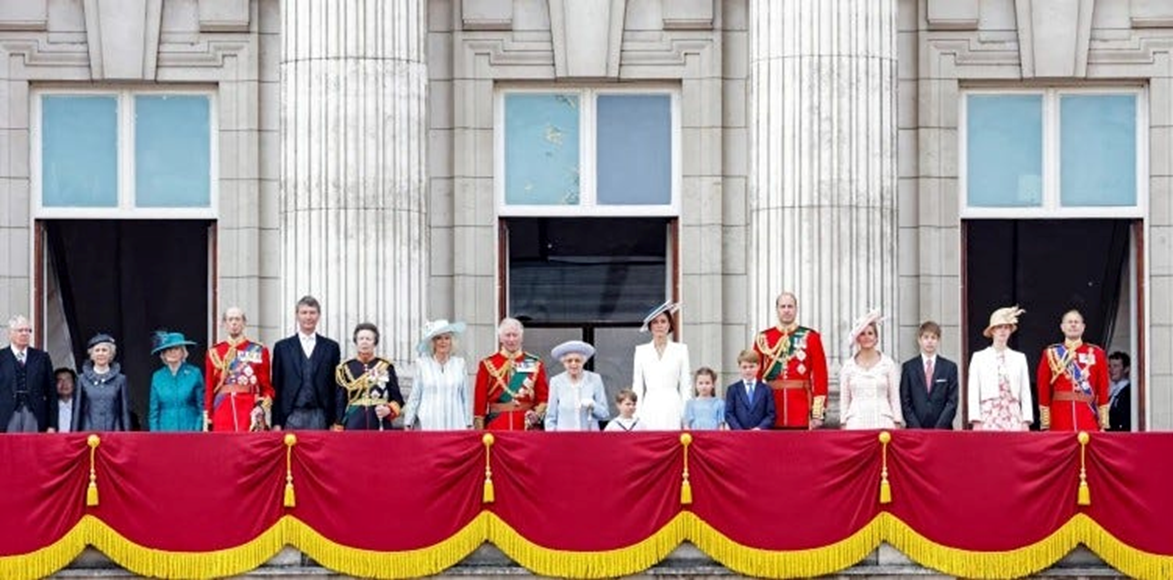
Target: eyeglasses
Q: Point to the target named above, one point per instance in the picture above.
(23, 329)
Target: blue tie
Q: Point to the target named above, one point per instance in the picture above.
(749, 391)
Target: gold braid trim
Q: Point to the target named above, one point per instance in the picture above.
(360, 387)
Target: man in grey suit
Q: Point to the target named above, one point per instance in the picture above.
(928, 384)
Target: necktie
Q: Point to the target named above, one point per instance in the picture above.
(749, 390)
(929, 375)
(20, 357)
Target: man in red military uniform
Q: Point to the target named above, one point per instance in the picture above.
(1073, 381)
(795, 366)
(237, 374)
(511, 389)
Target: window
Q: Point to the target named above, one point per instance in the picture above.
(1053, 153)
(587, 152)
(124, 154)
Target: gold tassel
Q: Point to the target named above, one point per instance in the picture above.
(92, 490)
(290, 498)
(885, 487)
(1085, 493)
(685, 486)
(489, 496)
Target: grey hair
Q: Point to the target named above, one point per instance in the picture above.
(507, 323)
(15, 321)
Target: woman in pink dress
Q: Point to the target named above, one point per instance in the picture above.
(869, 381)
(999, 380)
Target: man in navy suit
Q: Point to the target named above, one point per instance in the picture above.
(28, 396)
(928, 384)
(749, 403)
(303, 373)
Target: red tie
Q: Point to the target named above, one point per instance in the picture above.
(929, 375)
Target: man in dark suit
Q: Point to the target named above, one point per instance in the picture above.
(928, 384)
(749, 403)
(28, 397)
(303, 373)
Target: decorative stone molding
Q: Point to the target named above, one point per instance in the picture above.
(224, 15)
(954, 14)
(123, 37)
(31, 15)
(687, 14)
(1151, 13)
(486, 15)
(1053, 38)
(578, 30)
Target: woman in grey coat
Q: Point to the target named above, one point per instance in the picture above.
(101, 401)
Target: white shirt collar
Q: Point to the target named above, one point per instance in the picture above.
(307, 337)
(924, 359)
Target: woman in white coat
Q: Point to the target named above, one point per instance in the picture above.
(869, 381)
(661, 373)
(439, 397)
(999, 380)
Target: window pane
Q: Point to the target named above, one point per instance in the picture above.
(541, 149)
(79, 151)
(1004, 146)
(586, 270)
(1097, 153)
(635, 149)
(172, 148)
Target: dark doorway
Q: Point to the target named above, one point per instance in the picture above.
(130, 278)
(1046, 267)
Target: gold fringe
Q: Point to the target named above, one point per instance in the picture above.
(488, 495)
(602, 564)
(371, 564)
(92, 489)
(685, 486)
(170, 564)
(1085, 493)
(48, 560)
(785, 564)
(290, 498)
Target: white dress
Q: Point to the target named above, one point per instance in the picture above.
(870, 398)
(663, 385)
(439, 396)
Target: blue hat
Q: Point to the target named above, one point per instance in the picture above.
(573, 347)
(100, 338)
(165, 340)
(668, 307)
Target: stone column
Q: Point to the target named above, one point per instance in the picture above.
(822, 176)
(353, 168)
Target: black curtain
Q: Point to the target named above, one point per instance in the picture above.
(130, 278)
(1046, 267)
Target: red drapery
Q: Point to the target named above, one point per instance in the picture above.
(586, 505)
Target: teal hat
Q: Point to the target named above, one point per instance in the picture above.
(165, 340)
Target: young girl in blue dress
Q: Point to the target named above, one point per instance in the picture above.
(704, 412)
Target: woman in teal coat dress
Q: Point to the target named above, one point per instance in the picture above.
(177, 389)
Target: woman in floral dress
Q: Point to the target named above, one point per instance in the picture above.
(999, 380)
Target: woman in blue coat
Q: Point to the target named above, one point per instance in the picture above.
(177, 389)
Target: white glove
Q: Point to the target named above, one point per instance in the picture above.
(586, 403)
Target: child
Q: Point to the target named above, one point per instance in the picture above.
(626, 420)
(705, 412)
(928, 384)
(749, 403)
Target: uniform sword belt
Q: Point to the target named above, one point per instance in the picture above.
(236, 389)
(368, 402)
(782, 384)
(1073, 396)
(508, 407)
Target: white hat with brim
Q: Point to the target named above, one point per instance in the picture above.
(437, 328)
(1007, 316)
(573, 347)
(861, 323)
(668, 308)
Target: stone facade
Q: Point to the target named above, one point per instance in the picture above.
(854, 154)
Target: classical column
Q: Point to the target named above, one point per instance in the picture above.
(353, 96)
(822, 177)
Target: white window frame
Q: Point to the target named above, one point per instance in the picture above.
(588, 205)
(1052, 207)
(126, 208)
